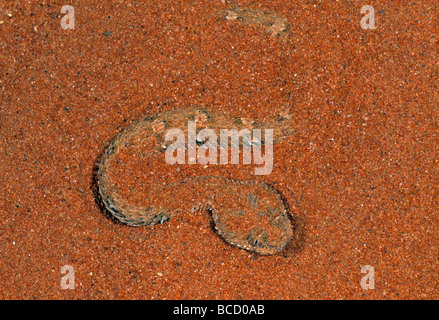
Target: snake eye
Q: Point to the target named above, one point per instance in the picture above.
(199, 142)
(258, 237)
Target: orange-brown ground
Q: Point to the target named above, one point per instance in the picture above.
(361, 176)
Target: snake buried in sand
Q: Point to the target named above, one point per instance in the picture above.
(250, 215)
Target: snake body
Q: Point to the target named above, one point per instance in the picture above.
(248, 214)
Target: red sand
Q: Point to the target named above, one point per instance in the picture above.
(361, 175)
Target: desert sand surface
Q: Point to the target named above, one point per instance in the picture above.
(359, 174)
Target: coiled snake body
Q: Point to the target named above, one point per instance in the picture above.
(248, 214)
